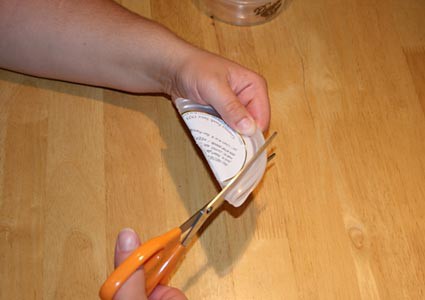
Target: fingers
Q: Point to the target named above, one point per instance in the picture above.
(232, 110)
(256, 100)
(239, 95)
(162, 292)
(134, 287)
(262, 106)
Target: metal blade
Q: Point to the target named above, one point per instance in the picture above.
(201, 216)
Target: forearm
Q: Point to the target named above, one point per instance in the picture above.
(94, 42)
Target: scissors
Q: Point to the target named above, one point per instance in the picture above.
(161, 255)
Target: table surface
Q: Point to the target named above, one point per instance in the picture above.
(340, 213)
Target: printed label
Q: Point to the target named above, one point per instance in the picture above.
(268, 10)
(223, 148)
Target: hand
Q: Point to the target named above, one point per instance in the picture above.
(238, 94)
(134, 287)
(100, 43)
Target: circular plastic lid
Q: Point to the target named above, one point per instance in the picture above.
(225, 150)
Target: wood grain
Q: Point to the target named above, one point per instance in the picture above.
(340, 213)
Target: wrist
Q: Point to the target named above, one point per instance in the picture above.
(172, 61)
(151, 62)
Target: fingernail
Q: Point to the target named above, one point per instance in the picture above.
(127, 240)
(246, 126)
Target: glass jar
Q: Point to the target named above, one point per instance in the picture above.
(237, 12)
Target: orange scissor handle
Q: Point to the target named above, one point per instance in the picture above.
(160, 272)
(159, 256)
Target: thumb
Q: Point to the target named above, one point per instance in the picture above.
(233, 112)
(134, 287)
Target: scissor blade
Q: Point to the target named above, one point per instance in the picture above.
(270, 157)
(241, 172)
(197, 220)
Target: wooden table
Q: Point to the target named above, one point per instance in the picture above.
(340, 214)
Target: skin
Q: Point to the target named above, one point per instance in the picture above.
(134, 287)
(100, 43)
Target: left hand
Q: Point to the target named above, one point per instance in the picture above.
(239, 95)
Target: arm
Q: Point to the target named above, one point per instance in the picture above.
(98, 42)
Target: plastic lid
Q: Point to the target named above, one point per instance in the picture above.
(225, 150)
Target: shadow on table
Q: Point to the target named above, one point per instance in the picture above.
(231, 229)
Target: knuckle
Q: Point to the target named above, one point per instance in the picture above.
(261, 80)
(233, 107)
